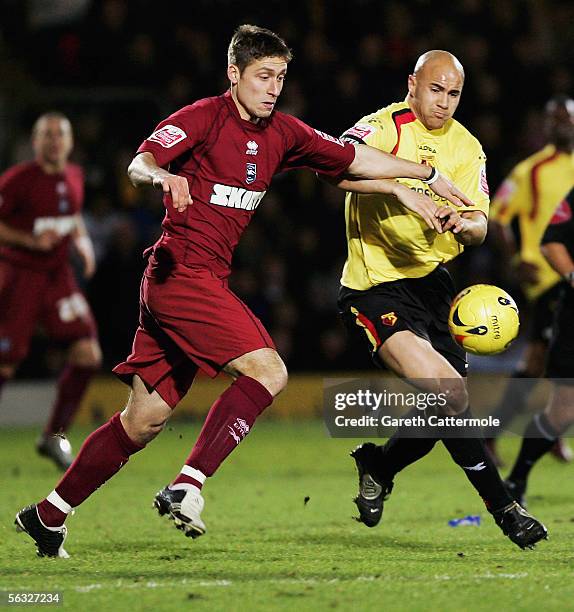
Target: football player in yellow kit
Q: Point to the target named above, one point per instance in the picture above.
(529, 195)
(396, 292)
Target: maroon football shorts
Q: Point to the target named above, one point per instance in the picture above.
(189, 319)
(50, 299)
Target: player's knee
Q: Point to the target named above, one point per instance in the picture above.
(7, 371)
(86, 354)
(456, 395)
(534, 369)
(143, 421)
(144, 430)
(275, 378)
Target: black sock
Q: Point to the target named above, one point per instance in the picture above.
(399, 452)
(471, 455)
(405, 446)
(539, 437)
(513, 401)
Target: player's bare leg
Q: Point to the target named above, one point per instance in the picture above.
(413, 357)
(7, 371)
(83, 361)
(540, 436)
(102, 455)
(258, 377)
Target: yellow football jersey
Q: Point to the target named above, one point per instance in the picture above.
(387, 242)
(532, 192)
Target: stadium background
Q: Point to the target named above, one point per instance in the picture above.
(118, 67)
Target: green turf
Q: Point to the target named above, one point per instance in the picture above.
(266, 549)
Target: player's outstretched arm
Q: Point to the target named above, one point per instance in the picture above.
(416, 202)
(370, 163)
(144, 171)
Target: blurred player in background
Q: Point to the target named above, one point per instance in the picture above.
(40, 219)
(529, 195)
(545, 428)
(221, 153)
(396, 292)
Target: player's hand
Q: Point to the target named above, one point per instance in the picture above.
(527, 273)
(450, 220)
(447, 190)
(420, 204)
(45, 241)
(177, 187)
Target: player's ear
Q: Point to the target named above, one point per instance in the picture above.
(233, 73)
(412, 82)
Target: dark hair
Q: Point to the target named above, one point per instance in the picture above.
(250, 43)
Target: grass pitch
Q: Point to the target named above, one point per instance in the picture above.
(268, 549)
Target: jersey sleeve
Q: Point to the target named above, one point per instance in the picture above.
(376, 131)
(471, 179)
(511, 198)
(561, 226)
(9, 192)
(177, 134)
(310, 148)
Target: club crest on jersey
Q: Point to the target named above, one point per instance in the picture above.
(168, 136)
(389, 319)
(252, 148)
(250, 173)
(61, 188)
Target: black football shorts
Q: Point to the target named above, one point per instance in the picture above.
(542, 317)
(420, 305)
(560, 360)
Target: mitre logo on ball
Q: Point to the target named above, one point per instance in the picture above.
(484, 320)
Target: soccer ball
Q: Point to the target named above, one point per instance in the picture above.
(483, 319)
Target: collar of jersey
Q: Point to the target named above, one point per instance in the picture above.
(245, 123)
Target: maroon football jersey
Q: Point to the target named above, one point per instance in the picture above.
(33, 201)
(229, 163)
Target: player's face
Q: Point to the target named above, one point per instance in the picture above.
(52, 141)
(560, 124)
(257, 88)
(435, 93)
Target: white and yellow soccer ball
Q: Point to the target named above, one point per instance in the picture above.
(484, 319)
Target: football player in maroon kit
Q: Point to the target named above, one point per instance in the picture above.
(214, 161)
(40, 219)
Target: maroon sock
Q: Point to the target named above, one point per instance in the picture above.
(103, 453)
(228, 422)
(71, 388)
(3, 381)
